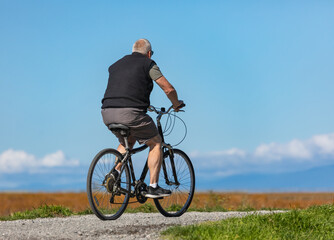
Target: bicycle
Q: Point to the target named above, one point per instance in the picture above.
(109, 197)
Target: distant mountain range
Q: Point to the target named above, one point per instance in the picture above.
(315, 179)
(74, 179)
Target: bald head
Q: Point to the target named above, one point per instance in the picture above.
(142, 46)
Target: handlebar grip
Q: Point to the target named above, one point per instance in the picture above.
(182, 105)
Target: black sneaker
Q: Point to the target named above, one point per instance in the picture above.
(157, 192)
(111, 181)
(112, 178)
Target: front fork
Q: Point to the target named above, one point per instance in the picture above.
(168, 150)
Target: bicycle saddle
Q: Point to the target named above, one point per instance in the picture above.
(117, 126)
(122, 129)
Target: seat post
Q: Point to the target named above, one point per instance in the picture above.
(126, 143)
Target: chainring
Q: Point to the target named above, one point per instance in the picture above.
(140, 189)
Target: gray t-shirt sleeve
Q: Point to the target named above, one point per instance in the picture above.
(155, 72)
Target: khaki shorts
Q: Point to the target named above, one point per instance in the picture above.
(142, 127)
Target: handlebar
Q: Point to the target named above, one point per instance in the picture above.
(168, 128)
(163, 110)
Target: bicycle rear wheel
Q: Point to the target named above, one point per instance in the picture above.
(179, 201)
(108, 200)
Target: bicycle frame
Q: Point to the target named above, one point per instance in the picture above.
(166, 149)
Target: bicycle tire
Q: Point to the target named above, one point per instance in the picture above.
(179, 201)
(101, 165)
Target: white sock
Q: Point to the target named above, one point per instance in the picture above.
(154, 185)
(118, 171)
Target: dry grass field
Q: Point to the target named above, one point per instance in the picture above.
(13, 202)
(235, 201)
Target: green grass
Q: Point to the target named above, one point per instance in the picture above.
(47, 211)
(44, 211)
(316, 222)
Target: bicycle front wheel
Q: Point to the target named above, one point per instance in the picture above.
(182, 193)
(108, 199)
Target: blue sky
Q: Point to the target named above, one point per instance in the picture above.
(257, 78)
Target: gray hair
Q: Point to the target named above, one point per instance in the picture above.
(142, 46)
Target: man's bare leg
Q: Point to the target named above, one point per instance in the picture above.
(154, 158)
(154, 164)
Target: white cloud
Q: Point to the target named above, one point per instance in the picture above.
(296, 155)
(276, 151)
(318, 145)
(14, 161)
(57, 159)
(325, 143)
(230, 152)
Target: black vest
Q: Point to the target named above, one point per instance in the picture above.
(129, 83)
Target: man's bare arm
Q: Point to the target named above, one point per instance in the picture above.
(169, 90)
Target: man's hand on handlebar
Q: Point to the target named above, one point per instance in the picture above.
(179, 106)
(163, 110)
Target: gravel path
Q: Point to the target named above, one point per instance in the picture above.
(128, 226)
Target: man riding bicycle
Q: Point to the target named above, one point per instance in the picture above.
(126, 100)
